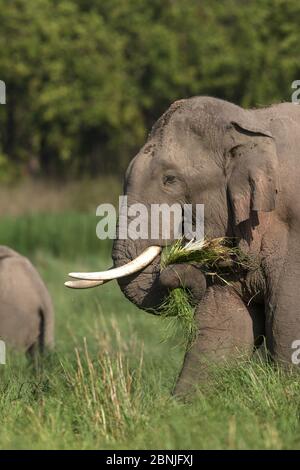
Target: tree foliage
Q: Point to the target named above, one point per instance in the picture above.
(86, 79)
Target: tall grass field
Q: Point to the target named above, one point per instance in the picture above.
(108, 383)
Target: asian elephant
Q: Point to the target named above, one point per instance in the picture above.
(244, 166)
(26, 312)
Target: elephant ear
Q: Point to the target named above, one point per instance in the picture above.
(252, 169)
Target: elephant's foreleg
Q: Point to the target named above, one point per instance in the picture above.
(283, 311)
(226, 330)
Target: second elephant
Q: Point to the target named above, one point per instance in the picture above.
(26, 311)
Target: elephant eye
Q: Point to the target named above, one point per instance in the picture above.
(169, 179)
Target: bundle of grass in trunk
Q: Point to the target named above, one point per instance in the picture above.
(211, 256)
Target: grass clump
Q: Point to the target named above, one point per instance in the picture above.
(215, 257)
(212, 255)
(177, 309)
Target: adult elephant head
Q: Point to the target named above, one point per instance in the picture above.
(201, 151)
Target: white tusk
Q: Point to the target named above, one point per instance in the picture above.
(79, 284)
(143, 260)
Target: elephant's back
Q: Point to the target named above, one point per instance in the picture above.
(280, 111)
(23, 299)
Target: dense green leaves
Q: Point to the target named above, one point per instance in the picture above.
(87, 79)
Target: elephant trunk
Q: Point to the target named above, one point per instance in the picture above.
(142, 288)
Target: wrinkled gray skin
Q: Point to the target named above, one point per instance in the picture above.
(244, 165)
(26, 312)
